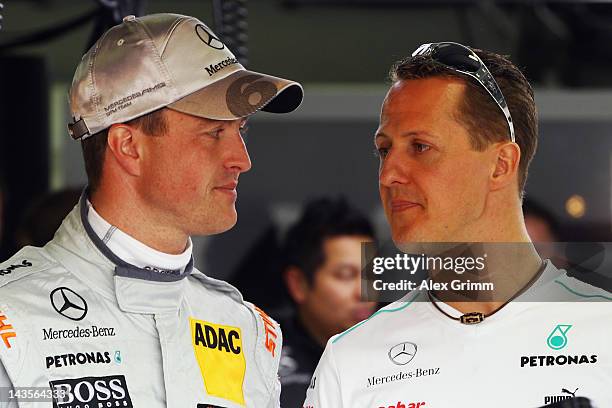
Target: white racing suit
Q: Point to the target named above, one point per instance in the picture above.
(81, 328)
(535, 351)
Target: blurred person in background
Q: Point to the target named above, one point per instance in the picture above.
(543, 229)
(44, 216)
(322, 274)
(265, 288)
(541, 223)
(112, 312)
(458, 129)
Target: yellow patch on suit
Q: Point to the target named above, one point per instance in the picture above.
(220, 355)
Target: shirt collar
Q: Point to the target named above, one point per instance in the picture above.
(79, 250)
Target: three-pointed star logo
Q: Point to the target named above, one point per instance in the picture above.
(403, 353)
(208, 37)
(68, 303)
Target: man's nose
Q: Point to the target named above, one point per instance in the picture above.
(393, 170)
(238, 159)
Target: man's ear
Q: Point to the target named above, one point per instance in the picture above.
(297, 284)
(123, 145)
(506, 167)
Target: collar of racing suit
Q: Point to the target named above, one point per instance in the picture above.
(133, 251)
(136, 290)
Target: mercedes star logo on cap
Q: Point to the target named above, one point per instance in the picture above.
(68, 303)
(208, 38)
(403, 353)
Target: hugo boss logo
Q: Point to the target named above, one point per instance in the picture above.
(24, 264)
(208, 37)
(109, 391)
(68, 303)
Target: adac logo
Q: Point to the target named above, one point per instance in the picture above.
(68, 303)
(403, 353)
(6, 330)
(219, 353)
(557, 339)
(208, 37)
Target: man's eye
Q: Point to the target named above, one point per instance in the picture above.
(421, 147)
(381, 152)
(345, 274)
(214, 133)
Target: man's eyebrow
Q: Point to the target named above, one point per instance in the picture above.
(215, 123)
(405, 134)
(418, 133)
(379, 135)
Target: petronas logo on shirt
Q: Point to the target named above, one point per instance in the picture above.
(557, 339)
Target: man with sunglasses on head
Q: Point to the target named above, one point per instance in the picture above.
(111, 312)
(458, 129)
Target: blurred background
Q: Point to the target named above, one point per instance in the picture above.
(341, 51)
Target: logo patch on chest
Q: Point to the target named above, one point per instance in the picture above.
(219, 353)
(109, 391)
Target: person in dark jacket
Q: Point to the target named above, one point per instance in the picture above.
(322, 274)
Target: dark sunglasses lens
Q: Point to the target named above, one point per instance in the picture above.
(457, 57)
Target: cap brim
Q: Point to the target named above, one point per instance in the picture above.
(241, 94)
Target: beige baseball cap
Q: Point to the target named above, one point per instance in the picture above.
(171, 60)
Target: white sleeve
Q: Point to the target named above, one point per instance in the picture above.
(324, 390)
(275, 400)
(5, 386)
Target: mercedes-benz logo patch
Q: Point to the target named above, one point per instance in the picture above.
(208, 37)
(68, 303)
(403, 353)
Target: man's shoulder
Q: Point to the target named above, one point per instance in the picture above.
(401, 314)
(579, 290)
(230, 297)
(27, 264)
(217, 289)
(558, 285)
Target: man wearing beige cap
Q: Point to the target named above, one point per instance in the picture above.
(111, 312)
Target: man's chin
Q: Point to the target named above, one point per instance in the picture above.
(403, 235)
(220, 225)
(413, 240)
(430, 244)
